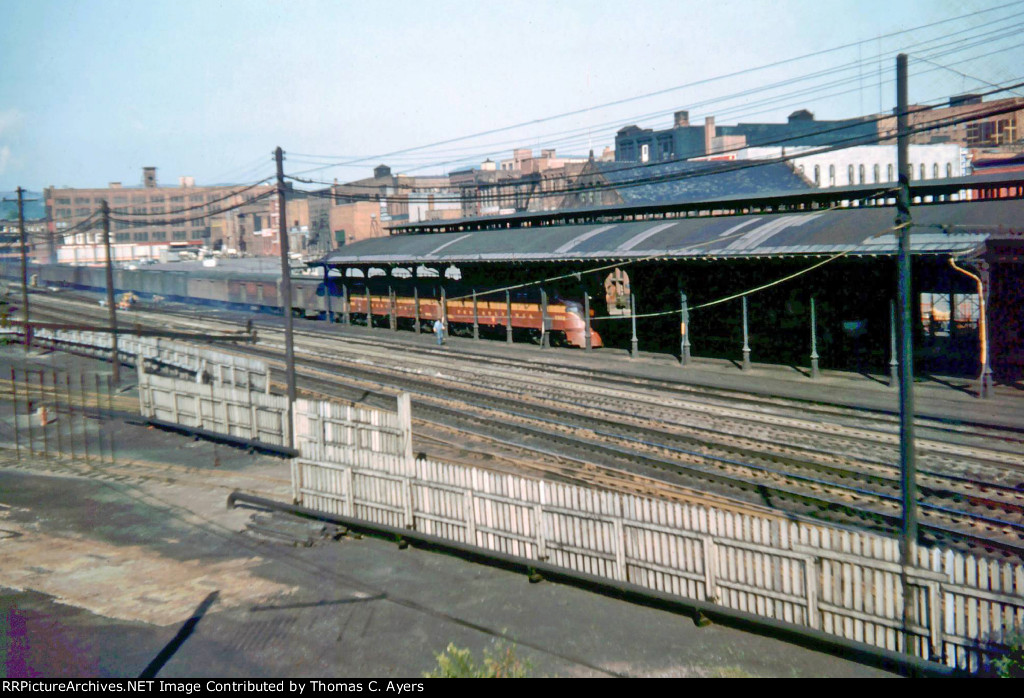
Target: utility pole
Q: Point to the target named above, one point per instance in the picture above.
(111, 306)
(24, 270)
(908, 468)
(286, 293)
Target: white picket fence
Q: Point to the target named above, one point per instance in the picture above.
(839, 581)
(359, 462)
(218, 408)
(205, 364)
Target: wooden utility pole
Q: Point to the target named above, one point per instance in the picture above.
(111, 305)
(286, 293)
(905, 317)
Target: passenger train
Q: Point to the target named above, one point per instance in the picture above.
(393, 302)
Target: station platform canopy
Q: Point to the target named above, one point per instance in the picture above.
(938, 229)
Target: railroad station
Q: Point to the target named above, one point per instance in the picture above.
(748, 270)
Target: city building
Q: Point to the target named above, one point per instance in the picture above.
(146, 221)
(683, 141)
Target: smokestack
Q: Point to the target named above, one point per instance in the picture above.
(709, 134)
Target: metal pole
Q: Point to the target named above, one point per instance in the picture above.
(894, 371)
(746, 338)
(545, 341)
(347, 315)
(369, 305)
(588, 338)
(814, 342)
(906, 347)
(26, 328)
(327, 295)
(508, 317)
(286, 292)
(634, 349)
(392, 320)
(115, 356)
(476, 318)
(416, 302)
(444, 313)
(84, 415)
(684, 330)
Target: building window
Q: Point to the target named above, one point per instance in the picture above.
(180, 235)
(877, 173)
(849, 174)
(122, 237)
(924, 174)
(159, 235)
(817, 175)
(831, 175)
(140, 237)
(861, 173)
(949, 169)
(935, 171)
(645, 153)
(888, 171)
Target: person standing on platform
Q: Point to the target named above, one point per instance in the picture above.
(439, 331)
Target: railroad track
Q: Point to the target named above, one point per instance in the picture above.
(754, 451)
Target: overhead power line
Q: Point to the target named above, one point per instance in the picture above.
(704, 81)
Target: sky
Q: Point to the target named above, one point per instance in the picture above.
(91, 92)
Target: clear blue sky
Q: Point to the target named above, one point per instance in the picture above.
(90, 92)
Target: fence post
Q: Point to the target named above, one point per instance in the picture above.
(296, 481)
(17, 432)
(42, 410)
(710, 583)
(71, 413)
(620, 540)
(28, 411)
(811, 578)
(404, 415)
(542, 533)
(110, 414)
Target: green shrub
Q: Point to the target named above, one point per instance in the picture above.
(502, 663)
(1011, 664)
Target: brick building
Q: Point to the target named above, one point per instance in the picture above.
(146, 220)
